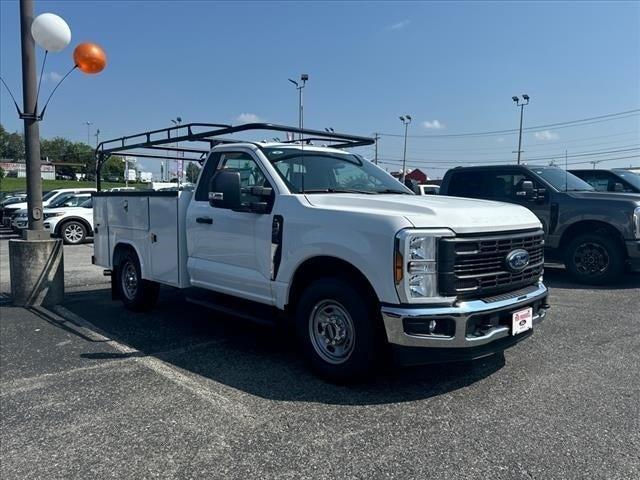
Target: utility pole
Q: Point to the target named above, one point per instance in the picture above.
(35, 230)
(521, 105)
(376, 136)
(406, 120)
(97, 135)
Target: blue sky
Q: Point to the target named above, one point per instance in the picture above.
(452, 66)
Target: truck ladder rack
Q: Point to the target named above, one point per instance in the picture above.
(150, 144)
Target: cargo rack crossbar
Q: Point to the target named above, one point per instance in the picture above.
(163, 144)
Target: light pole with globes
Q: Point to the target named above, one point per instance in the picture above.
(36, 260)
(406, 120)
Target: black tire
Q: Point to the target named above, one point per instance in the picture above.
(594, 259)
(73, 232)
(355, 356)
(136, 294)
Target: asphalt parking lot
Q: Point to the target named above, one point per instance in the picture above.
(89, 390)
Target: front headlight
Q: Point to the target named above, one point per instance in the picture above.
(49, 215)
(415, 267)
(636, 222)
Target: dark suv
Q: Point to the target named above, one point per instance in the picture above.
(594, 233)
(614, 180)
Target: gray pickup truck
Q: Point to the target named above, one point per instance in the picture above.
(595, 234)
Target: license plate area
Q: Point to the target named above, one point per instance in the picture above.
(521, 321)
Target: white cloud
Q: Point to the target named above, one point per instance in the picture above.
(399, 25)
(546, 135)
(433, 124)
(248, 118)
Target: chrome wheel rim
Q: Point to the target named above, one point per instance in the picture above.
(332, 332)
(73, 233)
(129, 280)
(591, 258)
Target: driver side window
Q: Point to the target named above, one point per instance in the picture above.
(250, 174)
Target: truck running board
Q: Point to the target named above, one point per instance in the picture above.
(253, 312)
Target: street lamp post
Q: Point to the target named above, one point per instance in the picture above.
(406, 120)
(300, 86)
(35, 230)
(88, 124)
(180, 163)
(520, 104)
(36, 261)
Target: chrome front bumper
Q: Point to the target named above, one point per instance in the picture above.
(461, 313)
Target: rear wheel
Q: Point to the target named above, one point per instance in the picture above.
(594, 258)
(73, 232)
(136, 294)
(337, 329)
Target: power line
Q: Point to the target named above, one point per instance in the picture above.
(570, 123)
(508, 160)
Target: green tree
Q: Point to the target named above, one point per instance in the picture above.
(114, 167)
(11, 145)
(193, 170)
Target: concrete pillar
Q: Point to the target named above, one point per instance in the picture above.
(37, 272)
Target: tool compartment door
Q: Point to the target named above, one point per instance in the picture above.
(164, 265)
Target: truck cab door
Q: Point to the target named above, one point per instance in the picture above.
(506, 185)
(228, 250)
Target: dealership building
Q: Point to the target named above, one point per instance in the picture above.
(19, 169)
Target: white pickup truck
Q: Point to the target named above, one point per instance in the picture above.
(323, 239)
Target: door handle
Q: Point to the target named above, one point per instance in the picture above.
(207, 220)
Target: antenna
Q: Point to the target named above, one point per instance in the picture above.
(566, 172)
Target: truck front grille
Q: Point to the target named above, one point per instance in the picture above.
(476, 266)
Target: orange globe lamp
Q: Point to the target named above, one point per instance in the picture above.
(90, 58)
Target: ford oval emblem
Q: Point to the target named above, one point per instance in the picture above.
(517, 260)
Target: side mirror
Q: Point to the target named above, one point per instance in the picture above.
(526, 190)
(618, 187)
(224, 190)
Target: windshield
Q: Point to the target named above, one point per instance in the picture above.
(313, 171)
(632, 178)
(60, 200)
(562, 180)
(48, 195)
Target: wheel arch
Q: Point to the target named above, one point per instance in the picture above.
(121, 249)
(324, 266)
(590, 226)
(66, 220)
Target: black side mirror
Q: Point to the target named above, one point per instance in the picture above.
(526, 190)
(224, 190)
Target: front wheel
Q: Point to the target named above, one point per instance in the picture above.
(594, 259)
(338, 330)
(136, 294)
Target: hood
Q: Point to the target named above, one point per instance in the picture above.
(16, 206)
(593, 195)
(462, 215)
(67, 210)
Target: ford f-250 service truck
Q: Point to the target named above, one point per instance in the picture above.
(306, 232)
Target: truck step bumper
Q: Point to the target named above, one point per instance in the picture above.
(466, 331)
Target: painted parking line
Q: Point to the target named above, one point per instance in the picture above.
(229, 405)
